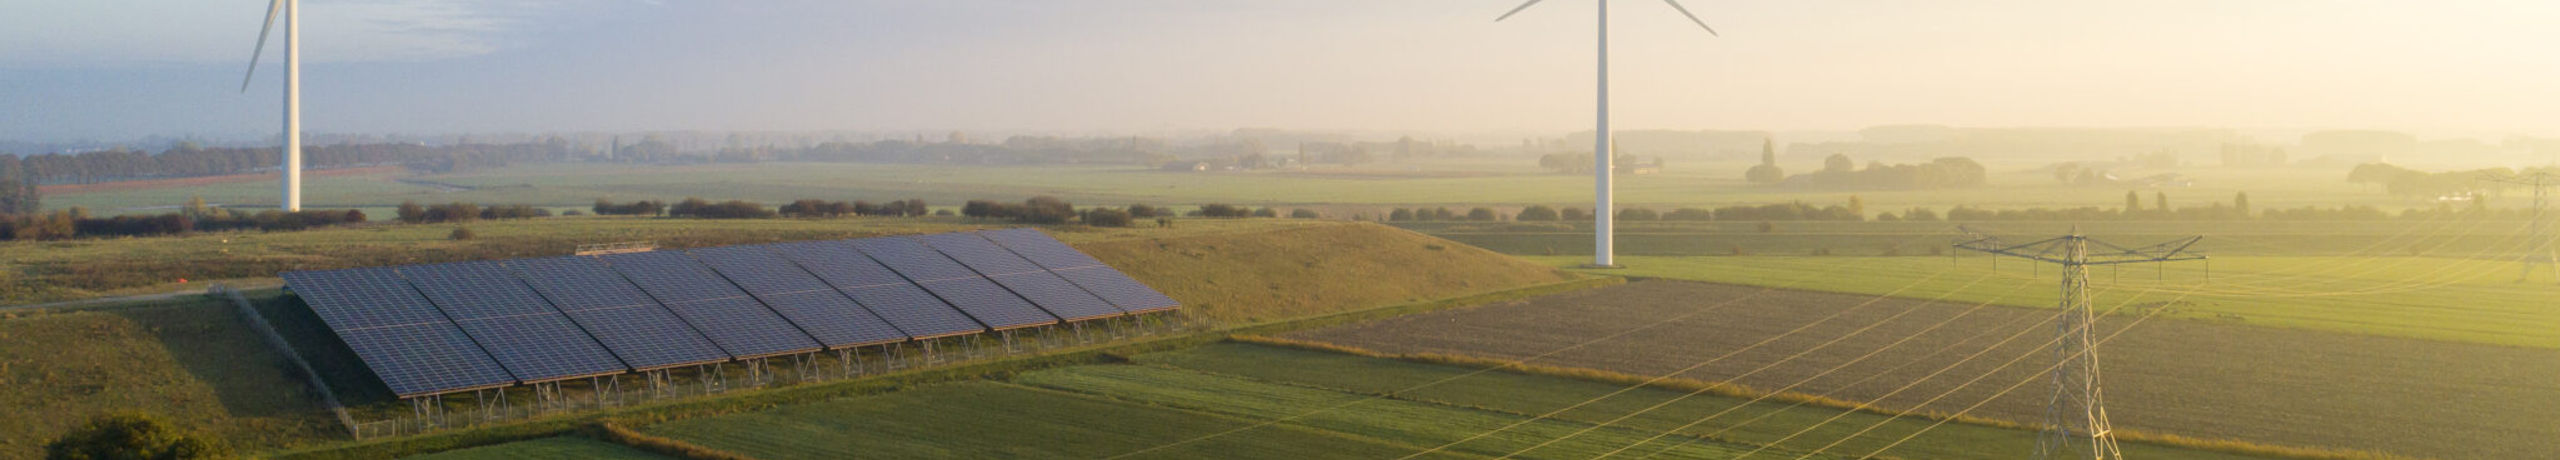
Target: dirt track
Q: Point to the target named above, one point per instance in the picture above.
(2266, 385)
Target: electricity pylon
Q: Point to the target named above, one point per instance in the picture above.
(2544, 248)
(2075, 381)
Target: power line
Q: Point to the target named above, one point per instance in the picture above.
(2076, 386)
(2546, 252)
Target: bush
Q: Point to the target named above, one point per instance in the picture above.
(131, 436)
(635, 208)
(1304, 213)
(1224, 210)
(1047, 210)
(1106, 217)
(461, 234)
(732, 209)
(1638, 214)
(1536, 213)
(1483, 215)
(822, 208)
(453, 212)
(1572, 214)
(513, 211)
(1143, 210)
(1400, 215)
(1266, 212)
(411, 212)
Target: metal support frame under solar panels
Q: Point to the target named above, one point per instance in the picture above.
(739, 323)
(1023, 278)
(982, 299)
(834, 319)
(1085, 271)
(399, 335)
(635, 327)
(519, 329)
(901, 302)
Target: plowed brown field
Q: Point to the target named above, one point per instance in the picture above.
(2191, 378)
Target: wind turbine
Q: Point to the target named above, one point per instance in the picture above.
(1603, 214)
(292, 165)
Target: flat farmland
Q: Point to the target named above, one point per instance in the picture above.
(2447, 299)
(2268, 386)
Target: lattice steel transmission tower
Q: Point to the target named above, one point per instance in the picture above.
(2076, 417)
(2545, 248)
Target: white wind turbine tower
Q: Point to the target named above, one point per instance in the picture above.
(292, 165)
(1603, 213)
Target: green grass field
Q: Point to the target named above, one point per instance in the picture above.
(554, 448)
(996, 420)
(1749, 423)
(2391, 296)
(1233, 400)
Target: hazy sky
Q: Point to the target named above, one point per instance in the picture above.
(108, 69)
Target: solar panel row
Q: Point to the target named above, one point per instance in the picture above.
(428, 329)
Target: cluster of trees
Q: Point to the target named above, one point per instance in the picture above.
(17, 187)
(414, 213)
(823, 208)
(1767, 172)
(2414, 183)
(194, 217)
(1839, 172)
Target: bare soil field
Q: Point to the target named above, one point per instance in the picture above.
(2179, 377)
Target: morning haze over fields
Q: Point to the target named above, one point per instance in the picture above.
(1295, 229)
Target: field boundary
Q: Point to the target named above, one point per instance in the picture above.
(393, 447)
(249, 313)
(1735, 390)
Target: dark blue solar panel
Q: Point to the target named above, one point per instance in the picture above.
(672, 277)
(644, 334)
(1040, 248)
(835, 320)
(518, 328)
(989, 303)
(736, 322)
(362, 297)
(980, 255)
(1083, 270)
(744, 327)
(398, 334)
(912, 259)
(1111, 285)
(1058, 296)
(884, 292)
(424, 359)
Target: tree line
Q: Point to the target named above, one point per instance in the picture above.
(194, 217)
(2407, 182)
(191, 160)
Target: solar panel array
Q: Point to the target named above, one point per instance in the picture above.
(440, 328)
(1085, 271)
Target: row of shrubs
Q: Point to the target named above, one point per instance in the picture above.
(76, 223)
(414, 213)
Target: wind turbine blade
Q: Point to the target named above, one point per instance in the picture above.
(1523, 6)
(1675, 4)
(261, 49)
